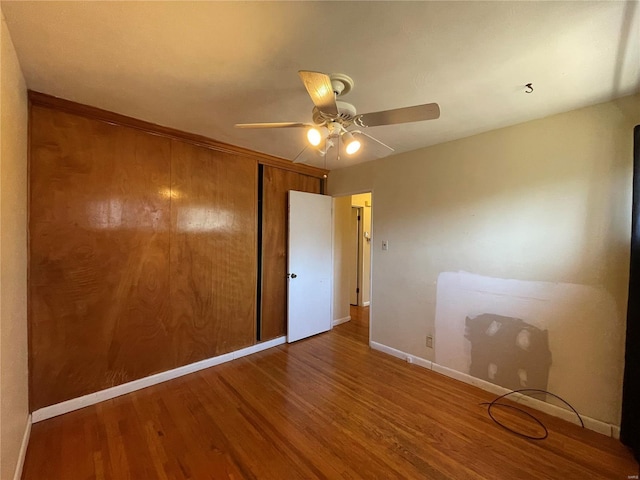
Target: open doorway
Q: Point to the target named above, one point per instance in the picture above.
(361, 241)
(352, 258)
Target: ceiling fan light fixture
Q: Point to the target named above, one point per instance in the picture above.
(314, 136)
(331, 117)
(351, 145)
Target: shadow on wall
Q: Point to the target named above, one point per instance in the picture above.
(507, 332)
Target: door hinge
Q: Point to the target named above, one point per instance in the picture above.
(358, 217)
(357, 290)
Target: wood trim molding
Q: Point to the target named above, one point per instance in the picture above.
(45, 100)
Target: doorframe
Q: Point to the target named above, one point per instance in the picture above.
(630, 420)
(359, 254)
(371, 262)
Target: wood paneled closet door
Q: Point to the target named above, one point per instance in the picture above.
(143, 254)
(99, 256)
(275, 185)
(213, 251)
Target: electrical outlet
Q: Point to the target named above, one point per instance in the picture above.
(429, 341)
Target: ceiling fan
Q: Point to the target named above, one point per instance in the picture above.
(335, 120)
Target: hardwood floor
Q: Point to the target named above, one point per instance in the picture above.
(325, 407)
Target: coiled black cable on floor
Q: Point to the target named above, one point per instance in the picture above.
(496, 402)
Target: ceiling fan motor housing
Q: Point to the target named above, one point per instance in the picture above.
(346, 114)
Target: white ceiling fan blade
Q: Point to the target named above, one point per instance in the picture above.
(320, 90)
(313, 155)
(309, 156)
(300, 158)
(273, 125)
(417, 113)
(358, 132)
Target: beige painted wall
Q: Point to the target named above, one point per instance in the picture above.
(547, 201)
(13, 257)
(361, 200)
(341, 224)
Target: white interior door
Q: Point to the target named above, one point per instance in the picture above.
(310, 265)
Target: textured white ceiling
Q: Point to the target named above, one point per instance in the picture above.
(204, 66)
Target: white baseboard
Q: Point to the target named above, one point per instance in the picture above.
(554, 410)
(615, 432)
(102, 395)
(402, 355)
(23, 450)
(339, 321)
(365, 304)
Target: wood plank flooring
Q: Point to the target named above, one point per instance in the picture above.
(325, 407)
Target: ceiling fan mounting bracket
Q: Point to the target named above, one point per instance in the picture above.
(342, 84)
